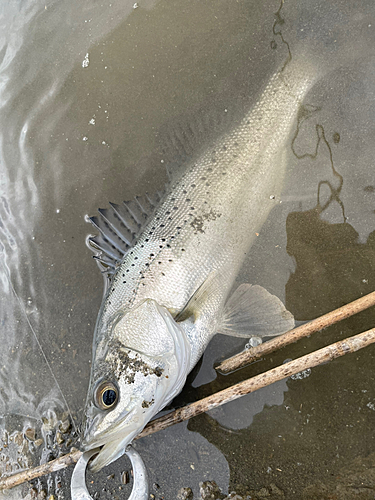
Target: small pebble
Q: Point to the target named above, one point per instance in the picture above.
(185, 494)
(30, 434)
(59, 438)
(65, 426)
(209, 490)
(125, 477)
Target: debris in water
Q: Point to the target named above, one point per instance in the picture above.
(86, 61)
(185, 494)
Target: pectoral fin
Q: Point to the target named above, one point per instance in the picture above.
(198, 297)
(252, 311)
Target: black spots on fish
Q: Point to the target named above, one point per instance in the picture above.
(158, 371)
(123, 275)
(146, 240)
(170, 260)
(175, 208)
(182, 249)
(124, 282)
(192, 208)
(183, 192)
(163, 239)
(188, 200)
(224, 148)
(152, 255)
(167, 212)
(193, 185)
(163, 225)
(133, 264)
(224, 173)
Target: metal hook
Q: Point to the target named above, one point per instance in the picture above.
(78, 486)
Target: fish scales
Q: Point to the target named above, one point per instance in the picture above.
(169, 295)
(209, 219)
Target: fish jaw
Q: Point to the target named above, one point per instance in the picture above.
(145, 385)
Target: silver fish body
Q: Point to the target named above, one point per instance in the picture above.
(168, 296)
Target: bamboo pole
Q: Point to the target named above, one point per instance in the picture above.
(332, 351)
(246, 357)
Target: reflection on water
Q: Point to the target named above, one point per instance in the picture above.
(88, 92)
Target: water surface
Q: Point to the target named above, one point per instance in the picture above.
(92, 96)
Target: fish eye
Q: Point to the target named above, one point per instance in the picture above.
(106, 396)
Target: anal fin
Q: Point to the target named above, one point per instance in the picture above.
(253, 311)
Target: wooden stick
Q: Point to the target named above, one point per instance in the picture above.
(323, 355)
(41, 470)
(246, 357)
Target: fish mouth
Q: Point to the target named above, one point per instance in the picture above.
(110, 451)
(112, 444)
(115, 433)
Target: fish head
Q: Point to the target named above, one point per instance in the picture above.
(134, 375)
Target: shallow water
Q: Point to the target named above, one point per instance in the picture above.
(92, 95)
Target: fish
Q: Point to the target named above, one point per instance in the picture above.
(172, 260)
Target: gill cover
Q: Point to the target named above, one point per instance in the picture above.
(144, 367)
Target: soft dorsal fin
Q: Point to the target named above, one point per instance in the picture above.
(119, 226)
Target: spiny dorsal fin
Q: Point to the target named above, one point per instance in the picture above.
(119, 227)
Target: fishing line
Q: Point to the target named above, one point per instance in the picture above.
(37, 340)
